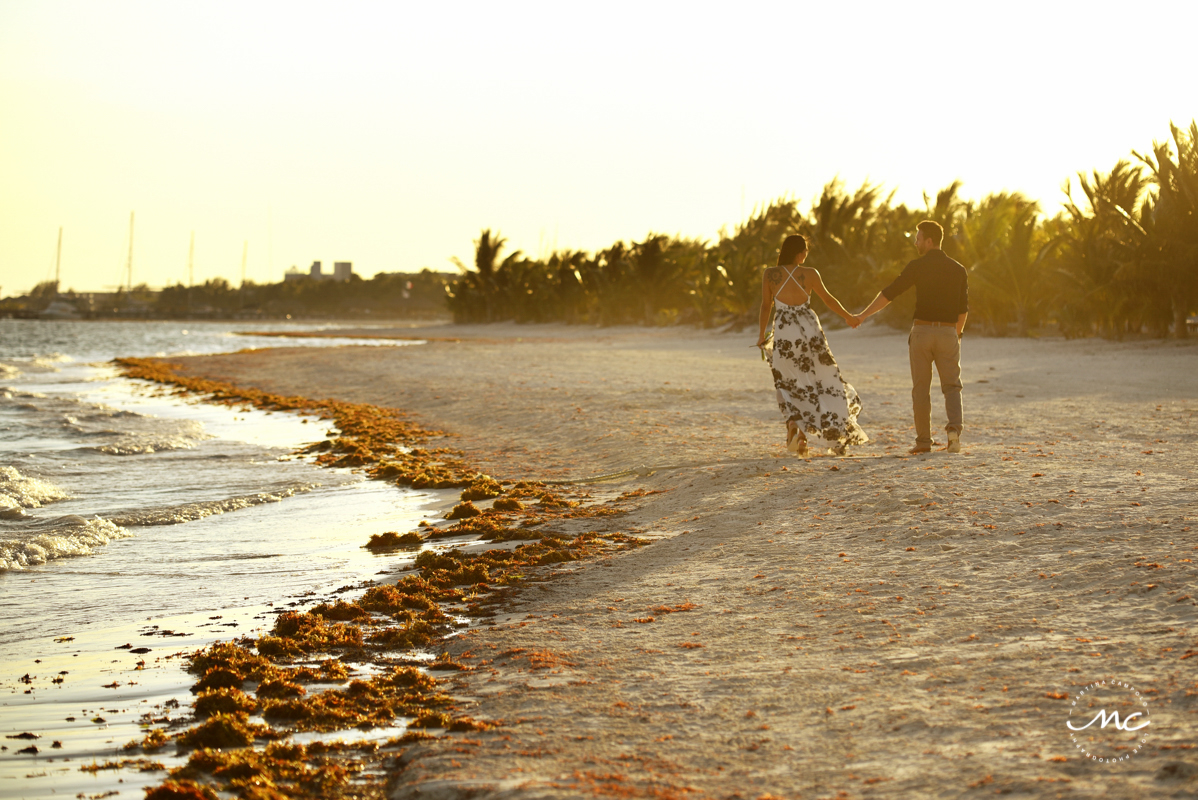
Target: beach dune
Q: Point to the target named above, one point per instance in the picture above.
(876, 625)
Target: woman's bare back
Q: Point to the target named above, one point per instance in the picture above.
(789, 284)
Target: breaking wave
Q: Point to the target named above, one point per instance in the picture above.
(69, 536)
(144, 445)
(193, 511)
(22, 491)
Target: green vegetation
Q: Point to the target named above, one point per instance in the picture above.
(389, 294)
(1120, 258)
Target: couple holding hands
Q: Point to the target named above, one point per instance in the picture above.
(812, 395)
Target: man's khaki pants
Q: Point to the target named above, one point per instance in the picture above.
(939, 345)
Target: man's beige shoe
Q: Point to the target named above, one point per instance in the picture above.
(954, 442)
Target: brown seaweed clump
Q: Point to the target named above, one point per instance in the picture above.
(180, 790)
(224, 701)
(341, 611)
(483, 525)
(407, 637)
(438, 719)
(390, 600)
(391, 540)
(363, 704)
(311, 632)
(484, 487)
(219, 678)
(224, 731)
(463, 510)
(507, 504)
(238, 659)
(153, 741)
(280, 771)
(230, 656)
(279, 689)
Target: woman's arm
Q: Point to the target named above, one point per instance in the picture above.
(767, 302)
(817, 287)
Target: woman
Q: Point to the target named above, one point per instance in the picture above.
(813, 397)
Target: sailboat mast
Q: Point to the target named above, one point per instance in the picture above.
(245, 249)
(58, 261)
(129, 262)
(191, 255)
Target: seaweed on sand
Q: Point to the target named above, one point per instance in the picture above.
(405, 691)
(463, 510)
(311, 632)
(280, 770)
(392, 540)
(224, 731)
(484, 487)
(417, 603)
(181, 790)
(224, 701)
(507, 504)
(267, 673)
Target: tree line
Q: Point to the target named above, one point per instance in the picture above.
(387, 295)
(1121, 257)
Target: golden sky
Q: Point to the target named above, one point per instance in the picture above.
(391, 134)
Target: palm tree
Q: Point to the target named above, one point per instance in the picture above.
(1098, 251)
(857, 239)
(754, 245)
(1173, 214)
(474, 295)
(1004, 244)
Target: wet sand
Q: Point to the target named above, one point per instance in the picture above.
(874, 625)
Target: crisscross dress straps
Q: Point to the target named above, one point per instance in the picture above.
(790, 276)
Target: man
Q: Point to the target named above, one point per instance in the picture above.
(941, 307)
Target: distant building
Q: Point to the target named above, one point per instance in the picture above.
(342, 271)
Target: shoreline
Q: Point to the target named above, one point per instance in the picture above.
(1043, 426)
(366, 437)
(91, 690)
(877, 602)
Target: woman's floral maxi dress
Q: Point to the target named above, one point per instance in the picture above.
(809, 386)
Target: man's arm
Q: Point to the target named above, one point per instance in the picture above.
(902, 283)
(964, 306)
(880, 302)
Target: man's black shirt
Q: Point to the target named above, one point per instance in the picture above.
(941, 287)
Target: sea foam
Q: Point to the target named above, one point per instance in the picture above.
(22, 491)
(71, 536)
(189, 512)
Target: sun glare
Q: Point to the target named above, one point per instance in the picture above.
(389, 137)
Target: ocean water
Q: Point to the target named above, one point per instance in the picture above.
(131, 517)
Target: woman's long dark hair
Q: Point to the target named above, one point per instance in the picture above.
(792, 246)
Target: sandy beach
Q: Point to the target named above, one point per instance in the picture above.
(870, 626)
